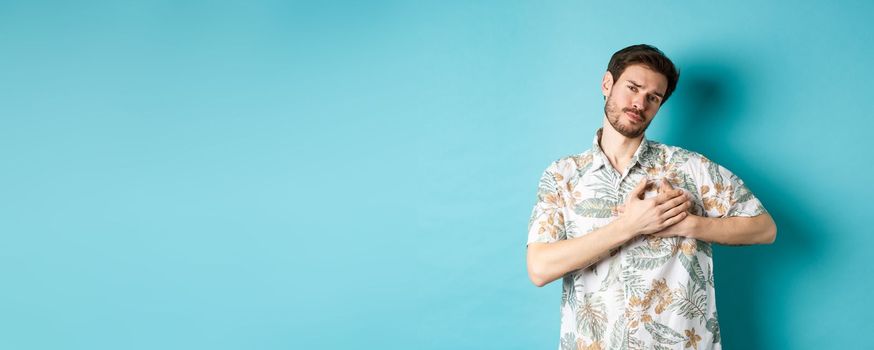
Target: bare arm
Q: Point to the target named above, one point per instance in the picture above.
(735, 230)
(549, 261)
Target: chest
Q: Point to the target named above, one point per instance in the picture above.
(595, 198)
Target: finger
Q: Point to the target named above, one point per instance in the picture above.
(677, 218)
(638, 191)
(672, 203)
(666, 196)
(665, 186)
(682, 207)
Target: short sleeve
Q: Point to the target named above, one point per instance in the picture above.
(547, 223)
(722, 193)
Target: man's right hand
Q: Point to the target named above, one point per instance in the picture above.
(645, 216)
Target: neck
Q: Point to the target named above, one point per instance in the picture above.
(618, 148)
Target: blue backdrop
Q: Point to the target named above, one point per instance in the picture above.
(327, 175)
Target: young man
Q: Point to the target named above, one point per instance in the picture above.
(628, 224)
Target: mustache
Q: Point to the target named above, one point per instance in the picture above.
(632, 110)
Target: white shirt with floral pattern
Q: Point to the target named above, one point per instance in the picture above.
(650, 293)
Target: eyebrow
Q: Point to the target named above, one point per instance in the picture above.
(638, 85)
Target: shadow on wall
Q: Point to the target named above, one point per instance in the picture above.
(709, 116)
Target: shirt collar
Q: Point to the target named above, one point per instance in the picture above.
(599, 159)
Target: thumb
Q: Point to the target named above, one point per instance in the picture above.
(638, 191)
(665, 186)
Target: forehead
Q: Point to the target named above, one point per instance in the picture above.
(648, 78)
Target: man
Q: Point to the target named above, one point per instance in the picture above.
(628, 224)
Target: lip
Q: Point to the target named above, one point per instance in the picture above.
(634, 117)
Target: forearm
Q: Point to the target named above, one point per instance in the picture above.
(550, 261)
(735, 230)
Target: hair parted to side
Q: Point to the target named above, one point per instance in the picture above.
(649, 56)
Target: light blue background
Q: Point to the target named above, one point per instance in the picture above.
(327, 175)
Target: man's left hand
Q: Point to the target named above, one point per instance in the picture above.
(684, 228)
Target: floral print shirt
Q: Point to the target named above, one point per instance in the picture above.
(650, 293)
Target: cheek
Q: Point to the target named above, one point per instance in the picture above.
(620, 99)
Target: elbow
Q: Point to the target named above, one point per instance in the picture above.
(770, 233)
(537, 280)
(540, 272)
(536, 276)
(536, 272)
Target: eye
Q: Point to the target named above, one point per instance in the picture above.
(653, 99)
(632, 88)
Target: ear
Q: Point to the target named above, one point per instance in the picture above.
(607, 84)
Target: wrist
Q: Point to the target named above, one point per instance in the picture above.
(625, 230)
(696, 225)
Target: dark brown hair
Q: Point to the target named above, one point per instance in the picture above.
(649, 56)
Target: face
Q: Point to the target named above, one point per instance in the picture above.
(634, 99)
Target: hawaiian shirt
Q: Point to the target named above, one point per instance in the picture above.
(649, 293)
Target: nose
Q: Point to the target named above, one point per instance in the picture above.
(638, 102)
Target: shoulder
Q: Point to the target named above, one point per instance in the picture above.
(679, 156)
(571, 164)
(671, 151)
(699, 167)
(575, 161)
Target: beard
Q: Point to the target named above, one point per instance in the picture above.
(614, 114)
